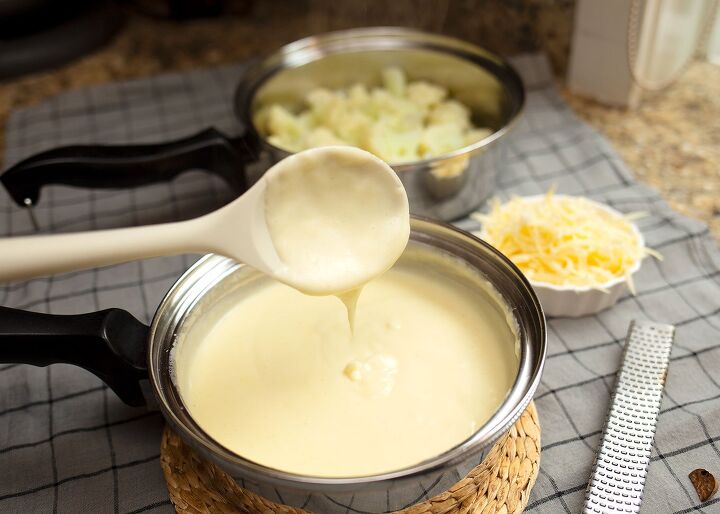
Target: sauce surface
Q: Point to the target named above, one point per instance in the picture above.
(277, 377)
(337, 216)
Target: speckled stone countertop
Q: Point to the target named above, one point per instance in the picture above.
(672, 141)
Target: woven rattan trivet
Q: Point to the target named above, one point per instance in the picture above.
(499, 484)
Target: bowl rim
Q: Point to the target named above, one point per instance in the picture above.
(309, 49)
(610, 284)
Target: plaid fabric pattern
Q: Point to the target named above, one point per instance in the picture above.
(67, 444)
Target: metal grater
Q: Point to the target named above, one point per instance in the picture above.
(618, 477)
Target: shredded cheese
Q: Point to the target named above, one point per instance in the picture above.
(564, 240)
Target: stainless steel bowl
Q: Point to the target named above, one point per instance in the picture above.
(444, 187)
(213, 277)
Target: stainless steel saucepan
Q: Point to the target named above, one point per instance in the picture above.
(444, 187)
(134, 360)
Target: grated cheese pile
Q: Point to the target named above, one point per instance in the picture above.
(564, 240)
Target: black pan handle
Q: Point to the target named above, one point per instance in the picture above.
(112, 344)
(120, 166)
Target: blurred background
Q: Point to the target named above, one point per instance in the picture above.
(640, 71)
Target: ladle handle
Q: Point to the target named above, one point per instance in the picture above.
(111, 344)
(34, 256)
(121, 166)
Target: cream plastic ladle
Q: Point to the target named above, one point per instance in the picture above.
(238, 230)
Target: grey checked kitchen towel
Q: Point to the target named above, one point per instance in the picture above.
(68, 445)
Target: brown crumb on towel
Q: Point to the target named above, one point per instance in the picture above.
(704, 483)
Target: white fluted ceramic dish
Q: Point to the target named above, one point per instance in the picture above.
(577, 301)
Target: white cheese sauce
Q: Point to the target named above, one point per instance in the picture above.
(277, 377)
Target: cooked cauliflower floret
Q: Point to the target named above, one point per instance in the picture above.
(394, 146)
(282, 122)
(399, 122)
(320, 100)
(355, 128)
(450, 111)
(358, 96)
(440, 139)
(286, 144)
(425, 94)
(394, 81)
